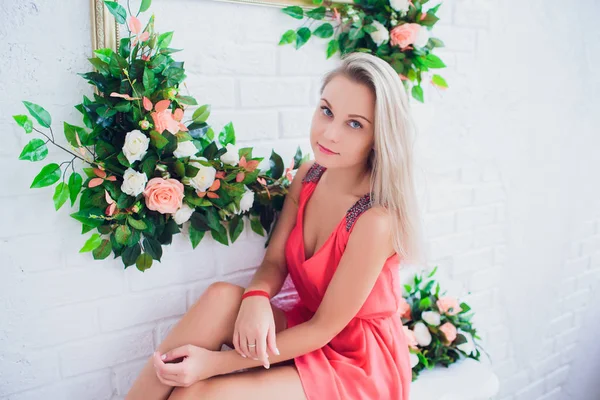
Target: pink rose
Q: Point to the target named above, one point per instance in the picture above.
(404, 309)
(449, 331)
(410, 337)
(448, 305)
(404, 35)
(164, 195)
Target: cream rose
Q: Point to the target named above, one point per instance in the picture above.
(400, 5)
(414, 360)
(164, 195)
(422, 37)
(185, 149)
(232, 156)
(422, 334)
(133, 182)
(204, 178)
(431, 317)
(246, 202)
(183, 214)
(136, 145)
(381, 35)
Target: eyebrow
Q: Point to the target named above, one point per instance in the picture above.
(350, 115)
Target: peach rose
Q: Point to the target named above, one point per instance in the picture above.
(164, 195)
(410, 337)
(404, 309)
(449, 331)
(448, 305)
(404, 35)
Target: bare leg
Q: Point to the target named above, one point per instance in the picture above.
(208, 323)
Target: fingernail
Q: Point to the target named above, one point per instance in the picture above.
(277, 351)
(163, 357)
(243, 355)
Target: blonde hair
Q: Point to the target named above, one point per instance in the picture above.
(391, 163)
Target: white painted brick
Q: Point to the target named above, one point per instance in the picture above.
(163, 329)
(515, 382)
(249, 125)
(130, 310)
(589, 279)
(439, 224)
(552, 395)
(595, 260)
(196, 291)
(485, 279)
(545, 366)
(296, 122)
(448, 245)
(456, 38)
(470, 218)
(489, 194)
(499, 334)
(22, 371)
(479, 301)
(216, 91)
(240, 256)
(531, 391)
(308, 60)
(568, 353)
(590, 245)
(504, 369)
(491, 173)
(499, 254)
(271, 92)
(576, 300)
(44, 258)
(449, 198)
(126, 374)
(23, 222)
(105, 351)
(473, 260)
(489, 236)
(472, 13)
(93, 386)
(557, 377)
(562, 323)
(578, 266)
(238, 59)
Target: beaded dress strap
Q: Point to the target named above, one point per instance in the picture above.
(314, 173)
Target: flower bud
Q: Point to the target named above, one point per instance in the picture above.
(145, 124)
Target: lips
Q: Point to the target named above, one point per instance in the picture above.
(326, 150)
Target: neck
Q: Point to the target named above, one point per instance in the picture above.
(354, 179)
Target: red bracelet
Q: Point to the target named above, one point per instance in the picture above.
(256, 293)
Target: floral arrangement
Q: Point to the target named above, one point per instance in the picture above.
(397, 31)
(147, 171)
(438, 328)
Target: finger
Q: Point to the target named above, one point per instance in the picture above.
(252, 349)
(271, 343)
(167, 381)
(244, 346)
(163, 368)
(261, 351)
(182, 351)
(236, 343)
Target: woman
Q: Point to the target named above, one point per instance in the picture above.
(350, 217)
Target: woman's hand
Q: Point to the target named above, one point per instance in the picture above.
(185, 365)
(255, 325)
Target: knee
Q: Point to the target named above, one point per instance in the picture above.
(199, 390)
(222, 291)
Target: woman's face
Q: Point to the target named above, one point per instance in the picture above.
(342, 133)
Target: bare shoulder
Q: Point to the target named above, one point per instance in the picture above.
(374, 228)
(300, 174)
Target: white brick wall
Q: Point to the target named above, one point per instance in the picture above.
(508, 169)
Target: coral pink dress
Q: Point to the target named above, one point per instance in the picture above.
(368, 359)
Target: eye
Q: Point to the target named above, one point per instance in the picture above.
(326, 110)
(358, 124)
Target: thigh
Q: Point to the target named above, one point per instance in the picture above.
(256, 384)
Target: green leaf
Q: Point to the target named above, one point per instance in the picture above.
(145, 5)
(332, 47)
(435, 42)
(149, 165)
(130, 254)
(158, 140)
(122, 234)
(196, 236)
(227, 135)
(61, 194)
(439, 81)
(164, 40)
(276, 164)
(71, 133)
(425, 303)
(236, 226)
(136, 223)
(105, 55)
(39, 113)
(24, 122)
(90, 216)
(302, 36)
(220, 236)
(153, 248)
(188, 100)
(202, 113)
(464, 307)
(433, 61)
(75, 184)
(316, 13)
(417, 93)
(256, 226)
(408, 288)
(210, 151)
(324, 31)
(288, 37)
(103, 250)
(294, 12)
(35, 150)
(117, 11)
(143, 262)
(49, 175)
(93, 242)
(149, 80)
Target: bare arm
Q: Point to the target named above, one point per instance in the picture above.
(273, 270)
(368, 248)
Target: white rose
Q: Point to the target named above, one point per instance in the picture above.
(136, 145)
(246, 202)
(400, 5)
(422, 37)
(431, 317)
(381, 35)
(469, 346)
(185, 149)
(134, 182)
(414, 360)
(183, 214)
(422, 334)
(232, 157)
(204, 178)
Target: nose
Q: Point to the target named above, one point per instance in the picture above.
(331, 133)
